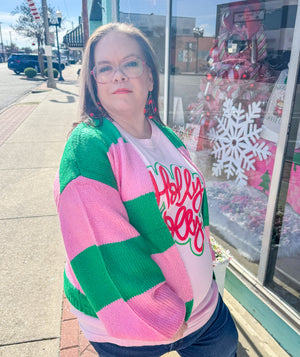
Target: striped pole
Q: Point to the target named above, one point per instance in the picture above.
(34, 10)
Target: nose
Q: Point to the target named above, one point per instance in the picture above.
(119, 76)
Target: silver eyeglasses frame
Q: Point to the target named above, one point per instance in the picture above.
(119, 68)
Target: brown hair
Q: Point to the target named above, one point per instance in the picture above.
(89, 102)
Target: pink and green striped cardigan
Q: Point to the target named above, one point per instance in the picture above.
(122, 264)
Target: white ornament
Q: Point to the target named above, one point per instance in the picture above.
(235, 143)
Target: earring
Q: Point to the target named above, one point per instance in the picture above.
(101, 111)
(150, 109)
(99, 106)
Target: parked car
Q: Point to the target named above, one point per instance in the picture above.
(64, 60)
(19, 62)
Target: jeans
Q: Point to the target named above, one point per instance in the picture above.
(217, 338)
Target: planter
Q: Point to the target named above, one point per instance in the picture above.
(220, 273)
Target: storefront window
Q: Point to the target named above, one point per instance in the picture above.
(229, 68)
(150, 17)
(283, 275)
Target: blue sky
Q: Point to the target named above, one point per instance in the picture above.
(203, 10)
(70, 9)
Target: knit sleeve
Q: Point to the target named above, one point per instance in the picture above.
(122, 283)
(112, 262)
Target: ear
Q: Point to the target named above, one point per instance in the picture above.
(150, 80)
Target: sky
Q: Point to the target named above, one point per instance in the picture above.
(70, 9)
(204, 11)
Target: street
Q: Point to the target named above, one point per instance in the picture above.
(183, 87)
(13, 87)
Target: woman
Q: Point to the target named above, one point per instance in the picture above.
(133, 214)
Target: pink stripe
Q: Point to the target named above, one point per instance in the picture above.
(153, 316)
(127, 166)
(175, 272)
(92, 213)
(162, 308)
(132, 326)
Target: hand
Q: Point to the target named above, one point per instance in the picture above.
(178, 335)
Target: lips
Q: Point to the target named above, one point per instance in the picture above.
(122, 91)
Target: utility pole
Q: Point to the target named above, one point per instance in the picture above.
(51, 83)
(2, 46)
(85, 22)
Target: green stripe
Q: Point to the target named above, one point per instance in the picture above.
(205, 213)
(107, 130)
(145, 216)
(130, 267)
(77, 299)
(189, 307)
(85, 154)
(90, 270)
(116, 270)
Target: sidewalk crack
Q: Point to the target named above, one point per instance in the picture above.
(29, 341)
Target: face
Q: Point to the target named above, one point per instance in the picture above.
(122, 97)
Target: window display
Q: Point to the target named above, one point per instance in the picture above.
(231, 122)
(228, 76)
(150, 18)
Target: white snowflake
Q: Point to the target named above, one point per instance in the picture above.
(235, 143)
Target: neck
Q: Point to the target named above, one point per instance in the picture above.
(139, 128)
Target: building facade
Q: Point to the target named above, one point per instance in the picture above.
(230, 87)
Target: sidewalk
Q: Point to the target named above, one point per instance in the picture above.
(35, 316)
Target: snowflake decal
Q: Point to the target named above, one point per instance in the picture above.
(235, 144)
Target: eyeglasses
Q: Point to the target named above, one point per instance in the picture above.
(131, 68)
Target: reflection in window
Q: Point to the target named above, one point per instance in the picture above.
(150, 17)
(227, 93)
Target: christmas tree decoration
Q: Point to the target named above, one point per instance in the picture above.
(235, 141)
(265, 184)
(238, 69)
(245, 75)
(296, 160)
(210, 76)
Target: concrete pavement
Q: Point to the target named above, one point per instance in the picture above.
(35, 320)
(32, 253)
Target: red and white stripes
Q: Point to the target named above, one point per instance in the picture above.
(34, 10)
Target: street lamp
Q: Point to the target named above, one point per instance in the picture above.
(198, 32)
(57, 24)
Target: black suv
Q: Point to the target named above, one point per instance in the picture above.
(19, 62)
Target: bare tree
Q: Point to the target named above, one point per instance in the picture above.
(27, 26)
